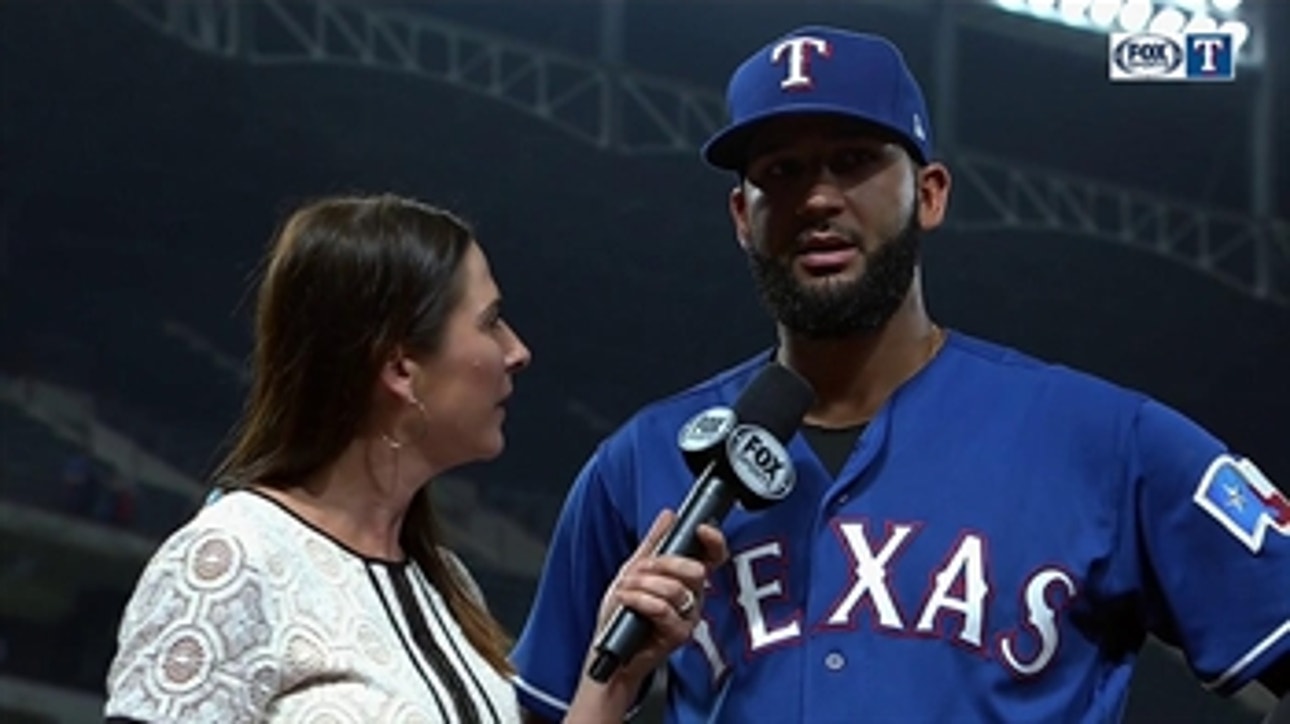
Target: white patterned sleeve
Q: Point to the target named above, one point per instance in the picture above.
(196, 641)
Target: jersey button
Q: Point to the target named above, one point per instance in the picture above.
(839, 502)
(835, 661)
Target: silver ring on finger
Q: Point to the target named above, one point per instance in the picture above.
(687, 605)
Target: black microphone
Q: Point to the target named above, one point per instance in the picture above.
(737, 456)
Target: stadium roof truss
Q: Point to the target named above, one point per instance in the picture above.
(616, 109)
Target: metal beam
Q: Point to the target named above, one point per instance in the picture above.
(945, 78)
(994, 194)
(570, 93)
(1263, 132)
(611, 58)
(658, 115)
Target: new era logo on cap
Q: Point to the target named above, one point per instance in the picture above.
(820, 69)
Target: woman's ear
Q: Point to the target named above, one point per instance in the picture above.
(397, 375)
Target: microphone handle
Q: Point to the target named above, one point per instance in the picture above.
(707, 502)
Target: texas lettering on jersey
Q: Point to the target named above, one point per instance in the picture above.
(954, 605)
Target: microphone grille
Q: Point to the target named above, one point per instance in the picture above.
(776, 399)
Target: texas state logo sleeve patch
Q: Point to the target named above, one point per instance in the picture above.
(1235, 493)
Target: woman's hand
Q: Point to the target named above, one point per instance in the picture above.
(666, 590)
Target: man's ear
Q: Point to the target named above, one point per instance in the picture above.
(933, 195)
(739, 213)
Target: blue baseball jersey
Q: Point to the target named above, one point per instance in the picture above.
(1001, 539)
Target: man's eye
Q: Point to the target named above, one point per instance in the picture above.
(780, 169)
(786, 168)
(851, 159)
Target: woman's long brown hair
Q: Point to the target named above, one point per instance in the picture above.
(345, 282)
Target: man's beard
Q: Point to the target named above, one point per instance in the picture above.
(841, 309)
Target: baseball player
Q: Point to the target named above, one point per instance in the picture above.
(974, 534)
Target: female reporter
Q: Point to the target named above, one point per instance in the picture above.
(316, 587)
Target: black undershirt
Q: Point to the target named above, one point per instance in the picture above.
(833, 445)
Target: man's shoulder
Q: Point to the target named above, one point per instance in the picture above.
(1007, 366)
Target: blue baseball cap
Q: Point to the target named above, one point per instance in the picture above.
(819, 69)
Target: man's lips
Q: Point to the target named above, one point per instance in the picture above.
(822, 259)
(825, 252)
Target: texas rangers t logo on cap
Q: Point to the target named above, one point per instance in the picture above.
(819, 69)
(799, 59)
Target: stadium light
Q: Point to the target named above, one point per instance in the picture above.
(1239, 30)
(1169, 20)
(1167, 16)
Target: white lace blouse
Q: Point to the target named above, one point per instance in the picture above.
(249, 614)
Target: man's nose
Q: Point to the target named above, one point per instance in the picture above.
(824, 195)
